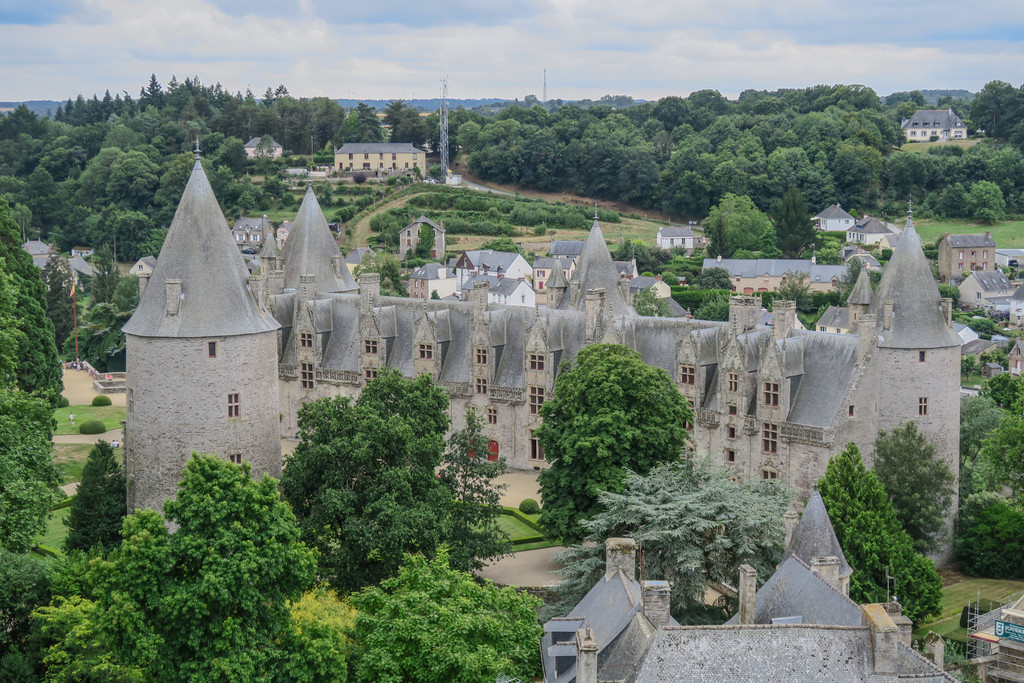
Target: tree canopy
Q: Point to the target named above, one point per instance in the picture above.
(100, 503)
(611, 412)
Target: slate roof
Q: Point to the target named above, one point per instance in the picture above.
(972, 240)
(429, 271)
(504, 286)
(641, 282)
(570, 248)
(270, 249)
(310, 248)
(378, 148)
(255, 142)
(933, 118)
(814, 536)
(776, 267)
(827, 364)
(676, 310)
(149, 261)
(548, 262)
(976, 347)
(80, 265)
(627, 268)
(595, 270)
(1018, 294)
(424, 219)
(251, 223)
(356, 255)
(867, 260)
(488, 259)
(833, 212)
(917, 318)
(990, 280)
(198, 250)
(675, 232)
(872, 226)
(862, 291)
(36, 247)
(794, 590)
(835, 316)
(557, 277)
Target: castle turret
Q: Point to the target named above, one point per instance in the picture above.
(201, 358)
(310, 250)
(860, 299)
(595, 270)
(556, 285)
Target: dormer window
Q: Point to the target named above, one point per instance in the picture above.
(734, 381)
(771, 393)
(370, 346)
(481, 356)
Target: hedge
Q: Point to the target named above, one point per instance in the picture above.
(521, 517)
(63, 402)
(92, 427)
(101, 400)
(529, 506)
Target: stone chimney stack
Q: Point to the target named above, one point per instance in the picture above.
(903, 623)
(884, 639)
(586, 656)
(783, 318)
(744, 313)
(865, 334)
(827, 568)
(935, 647)
(143, 281)
(339, 262)
(594, 313)
(620, 553)
(947, 310)
(479, 298)
(308, 285)
(790, 519)
(748, 588)
(887, 315)
(657, 596)
(369, 290)
(624, 288)
(173, 295)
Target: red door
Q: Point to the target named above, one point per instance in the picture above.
(492, 450)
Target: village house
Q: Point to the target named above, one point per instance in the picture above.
(250, 233)
(380, 157)
(143, 267)
(409, 238)
(833, 218)
(642, 283)
(356, 256)
(960, 254)
(430, 278)
(510, 291)
(767, 275)
(489, 262)
(870, 230)
(1015, 359)
(979, 288)
(263, 147)
(941, 124)
(543, 267)
(675, 238)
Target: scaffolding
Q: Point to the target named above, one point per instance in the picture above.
(998, 658)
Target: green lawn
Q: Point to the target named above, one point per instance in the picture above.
(55, 532)
(515, 528)
(70, 458)
(959, 594)
(110, 416)
(922, 147)
(1007, 234)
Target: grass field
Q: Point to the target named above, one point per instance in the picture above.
(70, 459)
(55, 532)
(956, 596)
(922, 147)
(110, 416)
(515, 528)
(1007, 234)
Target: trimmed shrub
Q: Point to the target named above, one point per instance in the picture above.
(92, 427)
(63, 402)
(529, 507)
(101, 400)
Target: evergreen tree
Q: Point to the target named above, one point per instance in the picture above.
(105, 278)
(475, 534)
(100, 504)
(873, 541)
(38, 368)
(59, 303)
(793, 223)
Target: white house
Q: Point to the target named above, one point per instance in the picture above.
(672, 238)
(833, 218)
(488, 262)
(870, 230)
(503, 290)
(271, 149)
(942, 124)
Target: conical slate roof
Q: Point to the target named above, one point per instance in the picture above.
(861, 293)
(557, 277)
(310, 249)
(270, 249)
(917, 318)
(815, 537)
(215, 299)
(595, 270)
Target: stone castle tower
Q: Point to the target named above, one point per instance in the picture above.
(201, 358)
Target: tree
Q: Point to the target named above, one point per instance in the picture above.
(735, 223)
(1005, 390)
(985, 202)
(59, 304)
(426, 241)
(992, 540)
(389, 269)
(873, 540)
(713, 278)
(362, 481)
(363, 125)
(475, 533)
(24, 586)
(968, 366)
(432, 623)
(100, 504)
(647, 303)
(101, 341)
(611, 412)
(697, 524)
(106, 276)
(505, 244)
(714, 307)
(770, 243)
(920, 486)
(208, 602)
(797, 288)
(979, 418)
(1005, 448)
(793, 223)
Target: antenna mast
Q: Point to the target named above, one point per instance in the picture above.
(444, 127)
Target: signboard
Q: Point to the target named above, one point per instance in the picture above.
(1010, 631)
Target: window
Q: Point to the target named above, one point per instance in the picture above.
(236, 458)
(370, 346)
(536, 399)
(536, 452)
(211, 349)
(922, 405)
(850, 410)
(770, 439)
(426, 351)
(536, 361)
(481, 356)
(481, 385)
(306, 340)
(961, 255)
(687, 374)
(960, 267)
(380, 155)
(306, 374)
(350, 157)
(370, 373)
(771, 393)
(394, 156)
(730, 456)
(732, 410)
(734, 381)
(920, 356)
(492, 416)
(984, 254)
(769, 474)
(977, 296)
(732, 432)
(234, 406)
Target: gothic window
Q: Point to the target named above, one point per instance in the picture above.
(770, 439)
(234, 406)
(492, 415)
(211, 349)
(734, 381)
(481, 356)
(687, 374)
(426, 351)
(306, 340)
(536, 399)
(771, 393)
(922, 406)
(481, 385)
(370, 373)
(370, 346)
(536, 361)
(306, 374)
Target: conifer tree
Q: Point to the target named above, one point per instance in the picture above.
(874, 541)
(100, 504)
(104, 282)
(793, 223)
(59, 304)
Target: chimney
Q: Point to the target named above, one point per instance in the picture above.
(814, 260)
(886, 315)
(173, 296)
(748, 587)
(594, 312)
(827, 569)
(865, 334)
(369, 290)
(947, 310)
(903, 623)
(307, 286)
(586, 656)
(657, 596)
(783, 318)
(744, 313)
(339, 263)
(620, 553)
(935, 647)
(884, 638)
(479, 297)
(790, 519)
(143, 281)
(719, 258)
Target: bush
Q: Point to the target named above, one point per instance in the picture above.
(101, 400)
(991, 546)
(529, 507)
(92, 427)
(63, 402)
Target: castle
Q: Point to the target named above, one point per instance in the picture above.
(769, 402)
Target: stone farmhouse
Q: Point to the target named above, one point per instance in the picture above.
(979, 288)
(941, 124)
(960, 254)
(248, 352)
(799, 626)
(768, 274)
(409, 238)
(380, 157)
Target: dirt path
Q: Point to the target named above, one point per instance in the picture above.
(529, 569)
(361, 230)
(520, 485)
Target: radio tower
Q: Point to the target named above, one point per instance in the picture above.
(444, 128)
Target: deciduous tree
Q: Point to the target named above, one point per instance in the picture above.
(647, 303)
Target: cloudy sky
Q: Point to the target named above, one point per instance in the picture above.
(383, 49)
